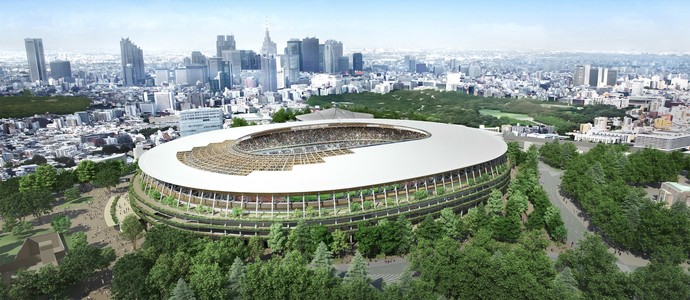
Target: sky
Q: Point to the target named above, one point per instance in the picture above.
(583, 25)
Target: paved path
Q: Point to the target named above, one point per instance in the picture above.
(577, 226)
(380, 269)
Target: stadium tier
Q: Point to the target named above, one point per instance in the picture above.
(333, 172)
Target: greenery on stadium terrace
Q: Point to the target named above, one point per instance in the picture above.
(27, 105)
(460, 108)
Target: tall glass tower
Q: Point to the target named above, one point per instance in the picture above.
(37, 61)
(132, 63)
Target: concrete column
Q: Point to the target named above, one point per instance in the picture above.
(189, 200)
(272, 205)
(318, 198)
(349, 203)
(179, 195)
(256, 207)
(227, 205)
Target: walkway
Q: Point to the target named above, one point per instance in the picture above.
(381, 270)
(577, 225)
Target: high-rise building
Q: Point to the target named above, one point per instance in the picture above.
(164, 101)
(357, 62)
(250, 60)
(224, 43)
(310, 55)
(36, 58)
(162, 76)
(343, 64)
(198, 58)
(193, 121)
(269, 47)
(579, 75)
(60, 69)
(588, 73)
(602, 77)
(293, 57)
(269, 80)
(322, 50)
(132, 63)
(331, 52)
(593, 76)
(410, 63)
(612, 77)
(234, 59)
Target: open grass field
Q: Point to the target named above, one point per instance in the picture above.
(499, 114)
(26, 106)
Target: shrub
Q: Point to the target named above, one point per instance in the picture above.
(421, 195)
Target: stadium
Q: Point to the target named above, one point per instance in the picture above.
(336, 173)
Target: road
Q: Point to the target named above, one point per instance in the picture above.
(577, 226)
(380, 270)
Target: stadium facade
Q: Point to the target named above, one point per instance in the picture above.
(332, 172)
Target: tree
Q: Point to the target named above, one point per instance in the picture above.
(450, 223)
(494, 206)
(340, 242)
(357, 271)
(86, 171)
(61, 224)
(108, 176)
(428, 229)
(256, 247)
(209, 281)
(276, 238)
(132, 229)
(237, 271)
(595, 270)
(24, 285)
(239, 122)
(168, 267)
(565, 284)
(22, 228)
(72, 193)
(661, 281)
(46, 177)
(127, 277)
(299, 237)
(182, 291)
(322, 257)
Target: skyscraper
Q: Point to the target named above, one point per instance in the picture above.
(593, 77)
(293, 54)
(310, 55)
(224, 43)
(132, 62)
(269, 82)
(579, 75)
(268, 47)
(250, 60)
(612, 77)
(37, 61)
(60, 69)
(331, 52)
(234, 59)
(322, 48)
(198, 58)
(357, 62)
(343, 64)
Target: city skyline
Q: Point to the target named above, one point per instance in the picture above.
(502, 25)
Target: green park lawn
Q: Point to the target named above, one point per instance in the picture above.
(26, 105)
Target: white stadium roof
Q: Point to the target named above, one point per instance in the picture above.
(450, 147)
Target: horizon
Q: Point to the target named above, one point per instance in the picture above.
(178, 26)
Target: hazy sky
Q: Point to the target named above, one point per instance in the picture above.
(583, 25)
